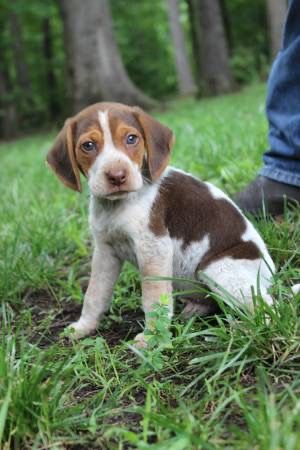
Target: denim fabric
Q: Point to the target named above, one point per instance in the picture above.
(282, 161)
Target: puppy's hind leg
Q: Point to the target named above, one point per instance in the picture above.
(239, 278)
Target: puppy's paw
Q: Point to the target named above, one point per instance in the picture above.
(140, 341)
(79, 329)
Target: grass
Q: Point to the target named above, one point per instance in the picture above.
(231, 382)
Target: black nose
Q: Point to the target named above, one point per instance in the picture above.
(116, 177)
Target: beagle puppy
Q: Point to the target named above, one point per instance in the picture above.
(163, 220)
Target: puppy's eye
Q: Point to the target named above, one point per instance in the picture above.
(88, 146)
(132, 139)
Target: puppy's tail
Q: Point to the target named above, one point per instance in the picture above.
(296, 288)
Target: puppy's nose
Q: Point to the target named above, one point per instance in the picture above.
(116, 177)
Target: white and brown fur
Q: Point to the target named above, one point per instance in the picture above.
(164, 221)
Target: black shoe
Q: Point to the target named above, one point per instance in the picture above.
(264, 194)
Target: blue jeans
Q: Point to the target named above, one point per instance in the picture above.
(282, 161)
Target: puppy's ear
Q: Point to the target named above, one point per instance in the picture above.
(159, 141)
(61, 157)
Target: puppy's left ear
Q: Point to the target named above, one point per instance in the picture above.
(61, 157)
(159, 141)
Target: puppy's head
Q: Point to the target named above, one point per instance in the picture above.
(115, 146)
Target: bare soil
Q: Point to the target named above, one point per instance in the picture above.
(50, 317)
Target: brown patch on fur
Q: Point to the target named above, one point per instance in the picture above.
(86, 159)
(243, 250)
(159, 141)
(186, 210)
(65, 157)
(157, 223)
(122, 122)
(61, 157)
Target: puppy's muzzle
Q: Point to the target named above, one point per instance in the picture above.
(116, 177)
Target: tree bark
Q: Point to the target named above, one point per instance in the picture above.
(214, 71)
(194, 28)
(276, 10)
(54, 105)
(9, 113)
(95, 70)
(22, 71)
(184, 73)
(227, 25)
(8, 118)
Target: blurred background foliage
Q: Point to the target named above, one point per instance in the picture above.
(143, 36)
(33, 57)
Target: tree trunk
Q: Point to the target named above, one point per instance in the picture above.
(8, 111)
(227, 25)
(194, 20)
(54, 105)
(94, 65)
(276, 10)
(9, 118)
(184, 74)
(215, 75)
(21, 67)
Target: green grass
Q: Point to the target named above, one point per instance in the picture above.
(231, 382)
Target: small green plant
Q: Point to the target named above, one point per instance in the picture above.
(158, 323)
(157, 335)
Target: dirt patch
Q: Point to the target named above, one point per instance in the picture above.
(49, 317)
(85, 391)
(98, 444)
(235, 419)
(248, 377)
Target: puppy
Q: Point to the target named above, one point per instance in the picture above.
(163, 220)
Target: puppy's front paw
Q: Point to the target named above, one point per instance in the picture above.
(79, 329)
(140, 341)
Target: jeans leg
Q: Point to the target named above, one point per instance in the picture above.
(282, 161)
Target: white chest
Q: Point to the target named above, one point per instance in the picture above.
(124, 225)
(124, 247)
